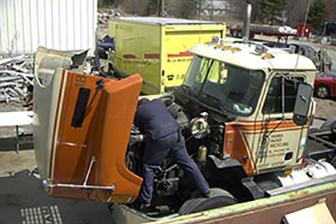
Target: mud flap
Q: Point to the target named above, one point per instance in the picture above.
(253, 188)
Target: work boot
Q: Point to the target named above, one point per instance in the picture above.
(199, 194)
(206, 194)
(144, 205)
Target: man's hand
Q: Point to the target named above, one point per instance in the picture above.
(135, 138)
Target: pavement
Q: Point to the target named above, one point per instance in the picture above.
(23, 199)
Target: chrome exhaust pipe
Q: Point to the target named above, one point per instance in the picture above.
(247, 22)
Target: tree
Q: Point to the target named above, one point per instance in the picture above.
(183, 9)
(317, 14)
(188, 9)
(331, 9)
(152, 7)
(272, 10)
(295, 12)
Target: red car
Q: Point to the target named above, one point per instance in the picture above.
(325, 85)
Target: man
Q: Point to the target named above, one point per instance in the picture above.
(162, 138)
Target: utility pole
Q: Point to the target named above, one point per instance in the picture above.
(211, 10)
(161, 4)
(199, 9)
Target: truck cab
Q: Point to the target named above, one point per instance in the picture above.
(244, 110)
(253, 91)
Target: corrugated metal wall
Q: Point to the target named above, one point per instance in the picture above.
(57, 24)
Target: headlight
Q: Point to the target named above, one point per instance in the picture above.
(199, 126)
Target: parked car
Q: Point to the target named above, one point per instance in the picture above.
(325, 85)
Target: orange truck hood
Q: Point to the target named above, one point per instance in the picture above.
(82, 127)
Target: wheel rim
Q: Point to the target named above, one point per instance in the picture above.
(322, 92)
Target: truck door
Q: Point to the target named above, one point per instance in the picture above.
(281, 141)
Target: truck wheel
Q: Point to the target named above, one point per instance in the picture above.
(322, 91)
(218, 198)
(235, 34)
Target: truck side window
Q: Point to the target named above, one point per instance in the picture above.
(204, 69)
(215, 83)
(217, 73)
(273, 103)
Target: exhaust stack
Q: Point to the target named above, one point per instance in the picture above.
(247, 22)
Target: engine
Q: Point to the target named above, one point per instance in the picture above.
(203, 137)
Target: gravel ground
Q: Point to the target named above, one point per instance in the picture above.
(325, 108)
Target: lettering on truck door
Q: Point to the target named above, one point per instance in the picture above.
(281, 141)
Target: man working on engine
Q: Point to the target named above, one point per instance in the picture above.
(162, 137)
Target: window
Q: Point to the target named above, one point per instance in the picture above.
(273, 103)
(224, 86)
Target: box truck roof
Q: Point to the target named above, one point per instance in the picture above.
(166, 21)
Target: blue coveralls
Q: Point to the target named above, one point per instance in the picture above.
(162, 138)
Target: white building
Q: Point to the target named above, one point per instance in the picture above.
(213, 8)
(57, 24)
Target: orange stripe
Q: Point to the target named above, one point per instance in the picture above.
(270, 126)
(181, 54)
(283, 130)
(251, 121)
(55, 123)
(262, 121)
(249, 148)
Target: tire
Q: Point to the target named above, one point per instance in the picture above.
(322, 91)
(218, 198)
(235, 34)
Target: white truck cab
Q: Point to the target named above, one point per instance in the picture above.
(263, 95)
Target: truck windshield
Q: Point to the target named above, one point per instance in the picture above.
(224, 86)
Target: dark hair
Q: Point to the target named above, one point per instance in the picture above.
(142, 101)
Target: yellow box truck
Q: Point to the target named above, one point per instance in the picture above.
(156, 48)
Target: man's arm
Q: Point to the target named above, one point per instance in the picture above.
(136, 136)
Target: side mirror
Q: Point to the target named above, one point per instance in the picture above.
(302, 104)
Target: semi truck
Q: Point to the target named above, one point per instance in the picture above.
(281, 32)
(243, 108)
